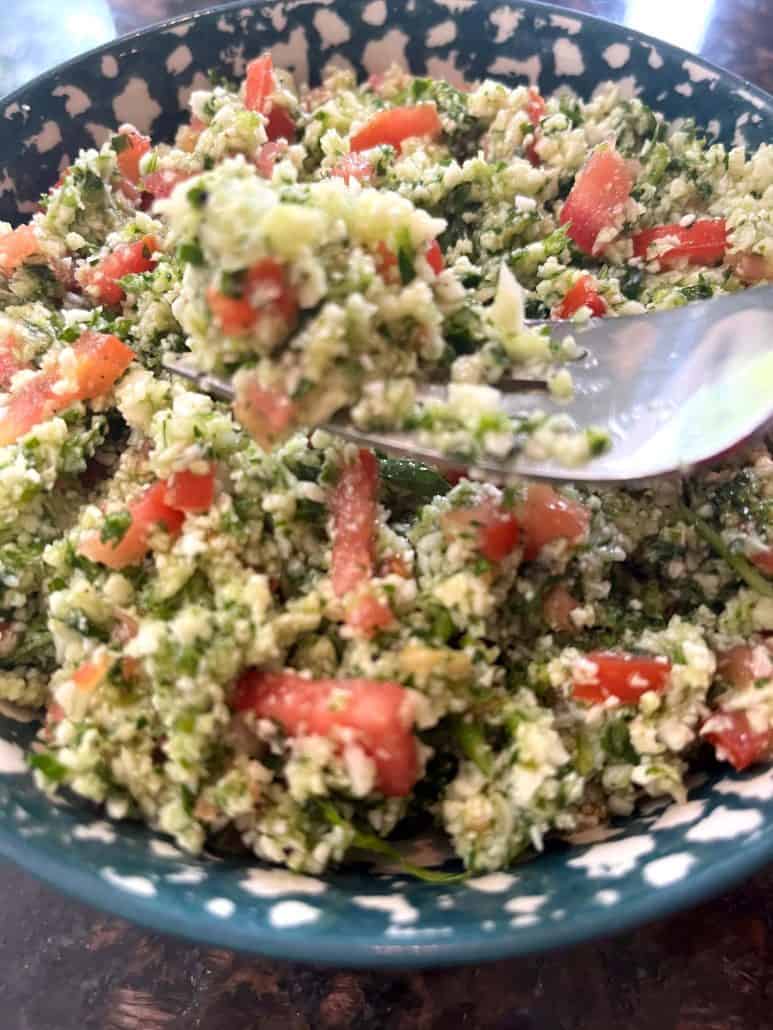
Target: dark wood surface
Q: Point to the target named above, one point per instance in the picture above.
(64, 966)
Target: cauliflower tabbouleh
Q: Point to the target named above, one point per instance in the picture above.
(269, 639)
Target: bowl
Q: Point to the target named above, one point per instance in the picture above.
(661, 860)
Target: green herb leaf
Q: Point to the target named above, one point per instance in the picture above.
(472, 741)
(120, 143)
(190, 254)
(737, 562)
(45, 763)
(197, 196)
(114, 527)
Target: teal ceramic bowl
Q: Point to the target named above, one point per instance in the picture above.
(642, 869)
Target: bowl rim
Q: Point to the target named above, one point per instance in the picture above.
(371, 950)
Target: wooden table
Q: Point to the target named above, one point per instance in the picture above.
(65, 967)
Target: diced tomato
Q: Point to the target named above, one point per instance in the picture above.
(88, 676)
(353, 166)
(100, 359)
(190, 492)
(161, 183)
(9, 361)
(354, 506)
(434, 257)
(736, 742)
(546, 516)
(496, 528)
(620, 675)
(763, 560)
(267, 157)
(266, 294)
(394, 565)
(702, 243)
(367, 614)
(531, 153)
(376, 715)
(128, 160)
(583, 293)
(395, 125)
(742, 665)
(16, 247)
(266, 414)
(535, 106)
(280, 124)
(557, 609)
(259, 84)
(126, 259)
(751, 268)
(149, 511)
(386, 263)
(597, 199)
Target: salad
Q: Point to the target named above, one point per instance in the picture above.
(256, 637)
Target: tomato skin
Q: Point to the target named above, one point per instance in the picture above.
(259, 83)
(128, 160)
(353, 166)
(557, 608)
(378, 715)
(280, 124)
(16, 247)
(9, 361)
(238, 315)
(535, 106)
(149, 511)
(621, 675)
(161, 183)
(367, 614)
(702, 243)
(126, 259)
(395, 125)
(266, 414)
(583, 293)
(763, 560)
(354, 505)
(597, 199)
(546, 516)
(735, 741)
(496, 528)
(434, 257)
(190, 492)
(100, 359)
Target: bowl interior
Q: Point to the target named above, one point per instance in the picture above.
(625, 874)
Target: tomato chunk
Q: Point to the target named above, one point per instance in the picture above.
(376, 715)
(496, 528)
(149, 511)
(763, 560)
(395, 125)
(259, 84)
(620, 675)
(583, 293)
(434, 257)
(535, 106)
(16, 247)
(367, 614)
(128, 159)
(702, 243)
(9, 361)
(126, 259)
(597, 198)
(266, 414)
(190, 492)
(735, 741)
(161, 183)
(267, 157)
(354, 506)
(280, 124)
(100, 359)
(353, 166)
(546, 516)
(265, 295)
(88, 676)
